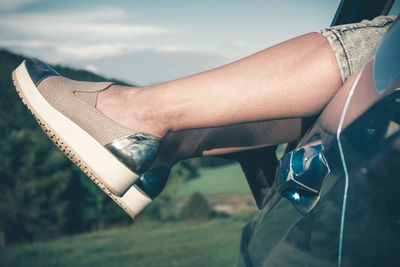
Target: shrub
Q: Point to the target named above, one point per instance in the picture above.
(196, 208)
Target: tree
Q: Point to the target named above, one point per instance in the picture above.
(196, 208)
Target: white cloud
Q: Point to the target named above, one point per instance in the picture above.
(97, 24)
(91, 68)
(27, 44)
(79, 51)
(97, 33)
(85, 38)
(102, 13)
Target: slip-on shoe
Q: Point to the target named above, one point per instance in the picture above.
(110, 154)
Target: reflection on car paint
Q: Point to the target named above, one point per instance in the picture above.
(300, 174)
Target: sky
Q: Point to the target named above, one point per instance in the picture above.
(144, 42)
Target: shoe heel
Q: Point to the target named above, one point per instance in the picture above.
(145, 189)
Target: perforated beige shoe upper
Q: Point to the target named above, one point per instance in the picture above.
(76, 100)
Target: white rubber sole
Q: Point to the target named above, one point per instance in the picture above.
(135, 201)
(92, 158)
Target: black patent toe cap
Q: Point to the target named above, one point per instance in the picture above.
(39, 70)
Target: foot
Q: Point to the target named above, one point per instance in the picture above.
(110, 153)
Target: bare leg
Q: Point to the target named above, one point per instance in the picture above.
(295, 78)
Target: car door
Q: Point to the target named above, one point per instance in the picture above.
(334, 201)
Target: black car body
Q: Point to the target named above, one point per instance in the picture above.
(336, 196)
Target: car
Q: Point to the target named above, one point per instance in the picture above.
(334, 199)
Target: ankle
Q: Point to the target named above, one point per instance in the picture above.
(148, 113)
(130, 108)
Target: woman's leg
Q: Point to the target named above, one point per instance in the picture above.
(185, 144)
(295, 78)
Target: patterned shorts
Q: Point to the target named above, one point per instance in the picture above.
(354, 44)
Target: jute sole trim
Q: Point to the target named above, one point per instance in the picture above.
(21, 74)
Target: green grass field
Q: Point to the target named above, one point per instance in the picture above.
(208, 243)
(213, 242)
(223, 180)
